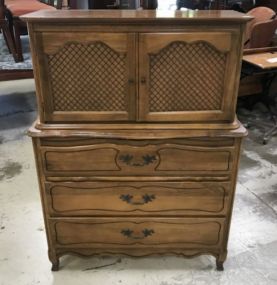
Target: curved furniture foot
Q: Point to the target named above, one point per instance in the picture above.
(55, 266)
(219, 265)
(54, 259)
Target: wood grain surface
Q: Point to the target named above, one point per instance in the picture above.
(137, 144)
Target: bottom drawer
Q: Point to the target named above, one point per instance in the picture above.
(139, 232)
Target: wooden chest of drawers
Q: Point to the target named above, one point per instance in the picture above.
(137, 144)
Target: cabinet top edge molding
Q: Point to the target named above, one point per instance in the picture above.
(133, 131)
(138, 16)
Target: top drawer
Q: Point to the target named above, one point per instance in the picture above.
(131, 158)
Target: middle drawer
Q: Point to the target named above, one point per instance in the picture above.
(137, 198)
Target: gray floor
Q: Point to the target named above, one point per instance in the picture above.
(252, 255)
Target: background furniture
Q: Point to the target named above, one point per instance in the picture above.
(260, 31)
(114, 4)
(96, 4)
(267, 3)
(194, 4)
(8, 38)
(5, 30)
(149, 4)
(256, 80)
(17, 8)
(244, 5)
(259, 34)
(261, 63)
(137, 142)
(55, 3)
(262, 34)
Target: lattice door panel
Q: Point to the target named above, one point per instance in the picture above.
(186, 77)
(88, 77)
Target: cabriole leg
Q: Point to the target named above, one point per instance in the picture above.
(54, 260)
(55, 266)
(219, 265)
(220, 260)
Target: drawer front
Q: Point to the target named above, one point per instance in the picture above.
(123, 232)
(137, 198)
(109, 159)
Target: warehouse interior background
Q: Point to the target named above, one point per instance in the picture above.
(252, 256)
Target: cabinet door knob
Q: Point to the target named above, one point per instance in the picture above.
(131, 81)
(143, 80)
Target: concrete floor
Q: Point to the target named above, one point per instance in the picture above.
(252, 255)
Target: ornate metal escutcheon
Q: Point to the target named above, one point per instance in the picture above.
(144, 233)
(146, 198)
(145, 160)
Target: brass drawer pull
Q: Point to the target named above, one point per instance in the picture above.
(146, 198)
(144, 233)
(145, 160)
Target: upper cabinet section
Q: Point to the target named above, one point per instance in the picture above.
(123, 66)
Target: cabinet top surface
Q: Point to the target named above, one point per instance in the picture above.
(142, 16)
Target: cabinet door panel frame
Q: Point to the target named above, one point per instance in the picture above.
(225, 42)
(52, 43)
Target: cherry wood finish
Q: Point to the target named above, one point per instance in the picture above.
(130, 160)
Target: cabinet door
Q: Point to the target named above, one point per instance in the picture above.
(87, 76)
(191, 77)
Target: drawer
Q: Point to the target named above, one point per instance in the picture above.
(137, 198)
(138, 232)
(145, 159)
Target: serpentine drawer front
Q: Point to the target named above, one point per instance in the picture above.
(124, 160)
(137, 198)
(125, 232)
(137, 142)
